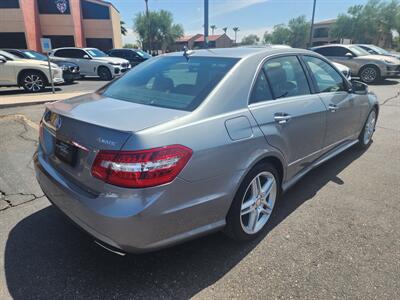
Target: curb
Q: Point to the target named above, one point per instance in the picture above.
(17, 104)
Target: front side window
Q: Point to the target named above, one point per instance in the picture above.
(326, 77)
(34, 55)
(358, 50)
(96, 53)
(287, 77)
(171, 82)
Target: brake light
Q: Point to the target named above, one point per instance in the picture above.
(143, 168)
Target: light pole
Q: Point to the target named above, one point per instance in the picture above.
(148, 26)
(312, 24)
(205, 23)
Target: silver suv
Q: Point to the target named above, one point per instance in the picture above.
(370, 68)
(92, 62)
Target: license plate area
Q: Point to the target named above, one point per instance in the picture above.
(65, 152)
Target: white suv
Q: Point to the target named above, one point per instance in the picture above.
(32, 75)
(92, 61)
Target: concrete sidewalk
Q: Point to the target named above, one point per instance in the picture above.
(31, 99)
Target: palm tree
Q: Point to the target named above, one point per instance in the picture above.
(235, 29)
(225, 29)
(124, 31)
(213, 27)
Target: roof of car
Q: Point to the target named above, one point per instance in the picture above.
(240, 52)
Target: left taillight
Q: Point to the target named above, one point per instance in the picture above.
(143, 168)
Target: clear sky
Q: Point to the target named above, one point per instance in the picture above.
(251, 16)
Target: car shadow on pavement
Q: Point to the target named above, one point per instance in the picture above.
(385, 82)
(21, 91)
(48, 257)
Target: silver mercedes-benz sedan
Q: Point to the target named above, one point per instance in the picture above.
(189, 143)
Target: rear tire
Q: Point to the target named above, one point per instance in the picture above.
(104, 73)
(33, 82)
(365, 138)
(253, 203)
(370, 74)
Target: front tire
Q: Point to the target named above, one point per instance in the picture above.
(33, 82)
(365, 138)
(370, 74)
(253, 203)
(104, 73)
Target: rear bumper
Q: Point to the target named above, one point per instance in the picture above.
(148, 220)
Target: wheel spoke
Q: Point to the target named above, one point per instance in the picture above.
(266, 189)
(248, 206)
(256, 187)
(253, 219)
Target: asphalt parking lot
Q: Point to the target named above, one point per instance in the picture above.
(335, 234)
(89, 84)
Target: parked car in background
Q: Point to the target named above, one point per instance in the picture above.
(92, 62)
(370, 68)
(372, 49)
(134, 56)
(70, 69)
(197, 142)
(344, 69)
(33, 75)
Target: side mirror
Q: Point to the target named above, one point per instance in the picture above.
(86, 56)
(3, 60)
(359, 88)
(349, 55)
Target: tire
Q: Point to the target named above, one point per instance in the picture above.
(104, 73)
(243, 220)
(370, 74)
(33, 82)
(365, 138)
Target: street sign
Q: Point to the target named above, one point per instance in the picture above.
(46, 45)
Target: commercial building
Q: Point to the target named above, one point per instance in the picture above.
(321, 34)
(79, 23)
(197, 41)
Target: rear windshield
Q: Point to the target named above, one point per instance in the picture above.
(172, 82)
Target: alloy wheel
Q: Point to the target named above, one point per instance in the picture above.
(369, 75)
(258, 202)
(33, 83)
(369, 127)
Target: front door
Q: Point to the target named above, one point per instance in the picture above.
(343, 114)
(291, 118)
(7, 72)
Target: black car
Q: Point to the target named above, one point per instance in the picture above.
(135, 56)
(71, 70)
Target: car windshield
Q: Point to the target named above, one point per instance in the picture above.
(359, 51)
(378, 49)
(34, 55)
(96, 53)
(8, 55)
(171, 82)
(143, 54)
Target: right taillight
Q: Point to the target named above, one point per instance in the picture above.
(143, 168)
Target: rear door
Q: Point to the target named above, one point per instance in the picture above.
(343, 113)
(290, 116)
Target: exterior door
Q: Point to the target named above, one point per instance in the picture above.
(291, 118)
(343, 111)
(7, 72)
(86, 65)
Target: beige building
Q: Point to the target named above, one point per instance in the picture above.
(80, 23)
(197, 41)
(321, 34)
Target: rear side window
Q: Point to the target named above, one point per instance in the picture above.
(261, 91)
(70, 53)
(287, 77)
(327, 78)
(172, 82)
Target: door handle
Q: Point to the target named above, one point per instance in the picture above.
(282, 118)
(333, 107)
